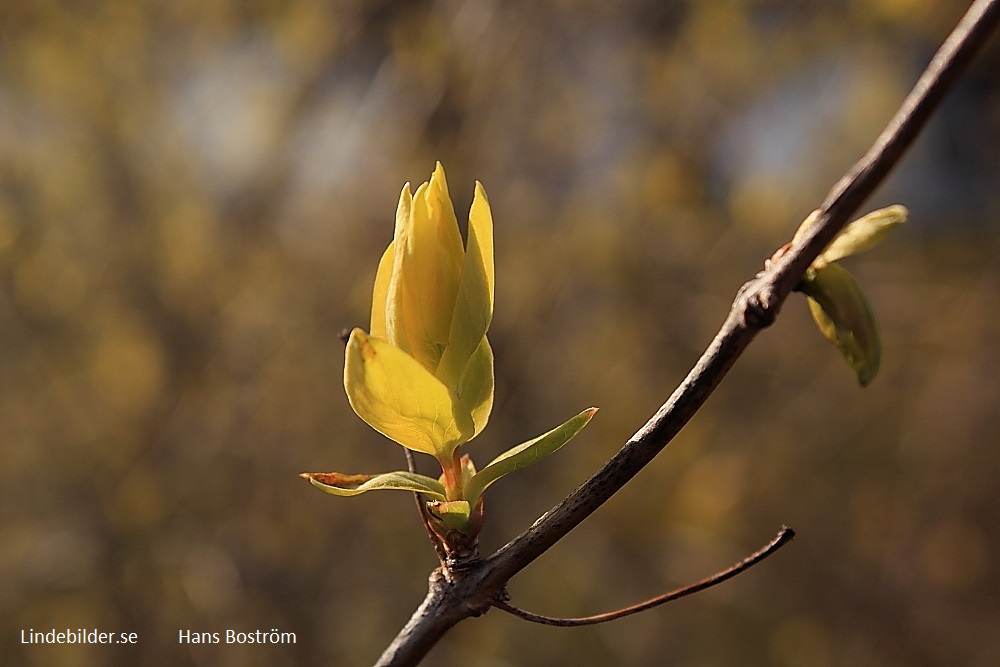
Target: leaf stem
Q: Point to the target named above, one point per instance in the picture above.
(453, 487)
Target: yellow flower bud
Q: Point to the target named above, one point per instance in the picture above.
(423, 376)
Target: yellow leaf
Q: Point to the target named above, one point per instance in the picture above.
(401, 399)
(381, 292)
(473, 310)
(387, 284)
(475, 387)
(427, 267)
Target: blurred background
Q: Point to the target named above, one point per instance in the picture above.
(193, 200)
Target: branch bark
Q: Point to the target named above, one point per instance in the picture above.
(469, 589)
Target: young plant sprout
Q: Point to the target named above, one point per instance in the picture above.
(838, 305)
(423, 374)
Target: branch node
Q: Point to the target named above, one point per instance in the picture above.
(757, 303)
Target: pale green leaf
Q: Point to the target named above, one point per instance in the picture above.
(338, 484)
(401, 399)
(527, 453)
(454, 514)
(844, 316)
(863, 234)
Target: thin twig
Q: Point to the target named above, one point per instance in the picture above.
(442, 555)
(475, 590)
(344, 335)
(779, 541)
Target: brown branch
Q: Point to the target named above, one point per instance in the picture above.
(472, 590)
(782, 538)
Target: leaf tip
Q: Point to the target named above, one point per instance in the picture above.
(867, 374)
(359, 339)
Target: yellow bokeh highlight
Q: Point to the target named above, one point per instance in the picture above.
(189, 249)
(127, 365)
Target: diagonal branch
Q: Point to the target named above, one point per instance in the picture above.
(758, 302)
(471, 591)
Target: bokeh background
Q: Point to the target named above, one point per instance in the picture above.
(193, 199)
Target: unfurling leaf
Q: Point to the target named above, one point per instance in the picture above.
(433, 301)
(474, 302)
(338, 484)
(454, 514)
(401, 399)
(425, 272)
(475, 388)
(858, 236)
(844, 316)
(863, 234)
(836, 301)
(527, 453)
